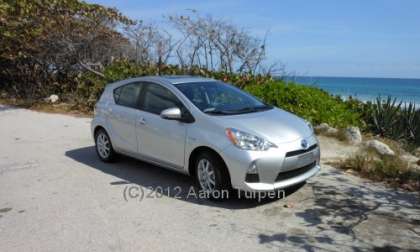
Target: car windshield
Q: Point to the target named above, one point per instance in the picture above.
(219, 98)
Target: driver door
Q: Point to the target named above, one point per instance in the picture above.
(159, 139)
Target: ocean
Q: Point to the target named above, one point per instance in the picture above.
(366, 89)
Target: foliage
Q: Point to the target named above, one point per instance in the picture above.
(91, 85)
(390, 169)
(73, 49)
(46, 43)
(391, 119)
(385, 119)
(311, 103)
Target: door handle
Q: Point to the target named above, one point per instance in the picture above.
(142, 121)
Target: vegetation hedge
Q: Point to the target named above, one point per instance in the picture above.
(313, 104)
(90, 85)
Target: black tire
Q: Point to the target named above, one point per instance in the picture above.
(111, 156)
(222, 188)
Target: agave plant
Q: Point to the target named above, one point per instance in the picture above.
(410, 121)
(386, 117)
(389, 118)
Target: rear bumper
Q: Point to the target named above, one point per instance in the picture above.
(276, 170)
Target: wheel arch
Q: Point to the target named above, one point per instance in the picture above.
(200, 149)
(97, 128)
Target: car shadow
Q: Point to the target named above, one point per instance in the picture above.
(131, 172)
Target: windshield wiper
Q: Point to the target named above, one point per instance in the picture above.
(263, 107)
(252, 109)
(215, 111)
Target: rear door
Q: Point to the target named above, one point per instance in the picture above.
(160, 139)
(123, 117)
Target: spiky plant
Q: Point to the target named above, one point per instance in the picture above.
(386, 117)
(410, 121)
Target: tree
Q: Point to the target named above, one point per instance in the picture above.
(151, 44)
(45, 43)
(217, 45)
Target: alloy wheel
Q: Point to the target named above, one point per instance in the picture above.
(206, 175)
(103, 145)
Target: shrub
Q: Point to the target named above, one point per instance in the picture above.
(91, 85)
(391, 119)
(45, 44)
(313, 104)
(390, 169)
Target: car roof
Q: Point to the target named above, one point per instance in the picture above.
(163, 79)
(177, 79)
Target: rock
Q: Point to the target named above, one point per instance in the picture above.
(408, 187)
(351, 171)
(52, 98)
(326, 129)
(288, 205)
(411, 160)
(353, 135)
(322, 127)
(331, 131)
(380, 148)
(417, 152)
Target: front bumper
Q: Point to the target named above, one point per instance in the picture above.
(278, 168)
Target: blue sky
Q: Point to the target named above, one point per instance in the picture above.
(375, 38)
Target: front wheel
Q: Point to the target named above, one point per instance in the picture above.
(212, 176)
(104, 146)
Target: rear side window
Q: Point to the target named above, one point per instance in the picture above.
(128, 95)
(157, 98)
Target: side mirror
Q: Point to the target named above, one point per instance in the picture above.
(171, 114)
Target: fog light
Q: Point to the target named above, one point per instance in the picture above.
(252, 174)
(252, 169)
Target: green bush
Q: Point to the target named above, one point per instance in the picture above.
(90, 85)
(313, 104)
(391, 119)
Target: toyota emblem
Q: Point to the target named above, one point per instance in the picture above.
(304, 144)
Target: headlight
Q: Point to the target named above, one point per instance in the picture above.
(246, 141)
(310, 126)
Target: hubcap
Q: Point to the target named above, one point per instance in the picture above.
(206, 175)
(103, 145)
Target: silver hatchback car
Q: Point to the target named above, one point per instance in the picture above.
(222, 136)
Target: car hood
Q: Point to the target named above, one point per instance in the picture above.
(275, 125)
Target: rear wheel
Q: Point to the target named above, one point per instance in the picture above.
(212, 176)
(104, 146)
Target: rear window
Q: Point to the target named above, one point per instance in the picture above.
(128, 95)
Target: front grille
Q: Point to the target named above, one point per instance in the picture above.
(298, 152)
(295, 172)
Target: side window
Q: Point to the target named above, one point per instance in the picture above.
(128, 95)
(157, 98)
(117, 93)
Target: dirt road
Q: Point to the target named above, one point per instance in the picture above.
(55, 195)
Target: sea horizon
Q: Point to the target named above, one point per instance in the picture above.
(365, 88)
(354, 77)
